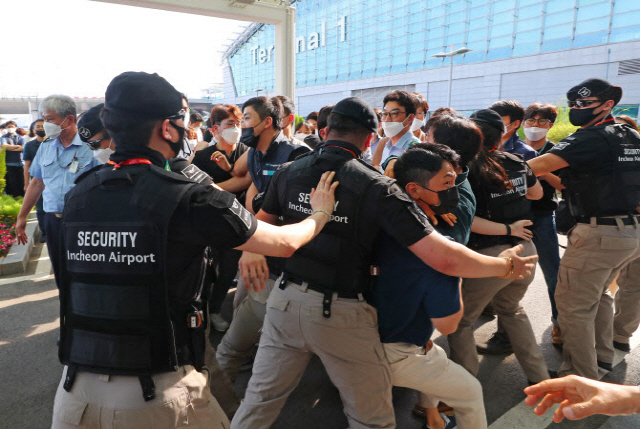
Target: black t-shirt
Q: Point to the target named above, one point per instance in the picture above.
(30, 150)
(202, 160)
(385, 206)
(549, 200)
(586, 150)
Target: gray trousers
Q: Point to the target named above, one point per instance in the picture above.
(348, 345)
(505, 296)
(244, 331)
(595, 255)
(627, 302)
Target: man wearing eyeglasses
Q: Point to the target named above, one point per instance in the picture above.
(92, 132)
(602, 178)
(58, 163)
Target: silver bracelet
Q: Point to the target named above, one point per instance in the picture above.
(321, 211)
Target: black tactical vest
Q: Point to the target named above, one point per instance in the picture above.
(333, 260)
(503, 207)
(116, 314)
(607, 192)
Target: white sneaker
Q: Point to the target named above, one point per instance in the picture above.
(219, 324)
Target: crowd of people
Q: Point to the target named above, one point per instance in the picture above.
(425, 222)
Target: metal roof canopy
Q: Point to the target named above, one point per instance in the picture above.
(277, 12)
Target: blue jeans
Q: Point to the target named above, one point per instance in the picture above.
(545, 238)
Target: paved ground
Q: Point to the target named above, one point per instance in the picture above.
(30, 370)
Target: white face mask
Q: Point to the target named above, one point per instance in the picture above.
(392, 129)
(300, 136)
(102, 155)
(535, 133)
(11, 130)
(52, 130)
(231, 135)
(416, 124)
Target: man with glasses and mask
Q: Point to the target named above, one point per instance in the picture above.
(398, 114)
(92, 132)
(58, 163)
(133, 311)
(601, 174)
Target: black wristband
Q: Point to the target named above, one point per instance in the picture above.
(232, 167)
(508, 228)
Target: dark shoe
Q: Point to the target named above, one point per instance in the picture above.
(449, 422)
(498, 344)
(606, 366)
(623, 347)
(556, 336)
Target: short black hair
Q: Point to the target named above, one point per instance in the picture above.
(11, 123)
(32, 127)
(287, 104)
(343, 126)
(195, 117)
(403, 98)
(511, 108)
(313, 115)
(323, 116)
(127, 131)
(267, 107)
(546, 110)
(460, 134)
(421, 162)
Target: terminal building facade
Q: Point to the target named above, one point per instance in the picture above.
(528, 50)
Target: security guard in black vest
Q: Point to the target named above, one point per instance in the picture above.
(603, 193)
(133, 317)
(319, 305)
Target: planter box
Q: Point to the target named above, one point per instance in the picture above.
(18, 258)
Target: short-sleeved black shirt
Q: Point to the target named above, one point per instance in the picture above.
(30, 150)
(586, 151)
(202, 160)
(549, 200)
(385, 205)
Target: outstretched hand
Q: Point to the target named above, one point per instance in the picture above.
(523, 266)
(322, 197)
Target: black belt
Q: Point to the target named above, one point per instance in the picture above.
(629, 220)
(299, 281)
(58, 215)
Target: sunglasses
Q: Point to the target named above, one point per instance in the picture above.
(95, 144)
(582, 103)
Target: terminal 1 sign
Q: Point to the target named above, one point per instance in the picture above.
(311, 42)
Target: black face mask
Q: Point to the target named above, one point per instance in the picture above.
(247, 137)
(449, 199)
(580, 117)
(40, 133)
(176, 147)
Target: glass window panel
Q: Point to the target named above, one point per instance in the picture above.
(480, 34)
(592, 25)
(499, 53)
(529, 24)
(559, 18)
(455, 39)
(502, 17)
(526, 49)
(587, 2)
(477, 2)
(435, 22)
(477, 12)
(558, 5)
(474, 24)
(529, 11)
(590, 39)
(436, 43)
(556, 44)
(624, 34)
(416, 57)
(504, 4)
(527, 37)
(500, 41)
(436, 33)
(624, 19)
(502, 29)
(398, 68)
(455, 17)
(456, 5)
(436, 11)
(557, 31)
(415, 66)
(455, 28)
(477, 46)
(368, 73)
(592, 11)
(625, 5)
(522, 3)
(475, 56)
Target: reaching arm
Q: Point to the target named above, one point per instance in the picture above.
(377, 156)
(27, 177)
(456, 260)
(535, 192)
(546, 163)
(487, 227)
(449, 325)
(251, 193)
(553, 180)
(34, 190)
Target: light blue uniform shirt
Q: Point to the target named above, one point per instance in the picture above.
(398, 149)
(52, 163)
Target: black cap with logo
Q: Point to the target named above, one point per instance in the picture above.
(595, 87)
(359, 111)
(89, 124)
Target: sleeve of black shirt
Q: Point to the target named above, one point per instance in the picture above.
(531, 178)
(585, 151)
(26, 154)
(297, 152)
(271, 202)
(396, 212)
(213, 217)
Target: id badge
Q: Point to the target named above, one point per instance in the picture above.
(73, 167)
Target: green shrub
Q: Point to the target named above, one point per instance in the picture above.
(297, 121)
(9, 206)
(3, 170)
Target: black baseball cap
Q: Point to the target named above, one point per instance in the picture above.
(143, 96)
(89, 124)
(594, 87)
(490, 117)
(358, 110)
